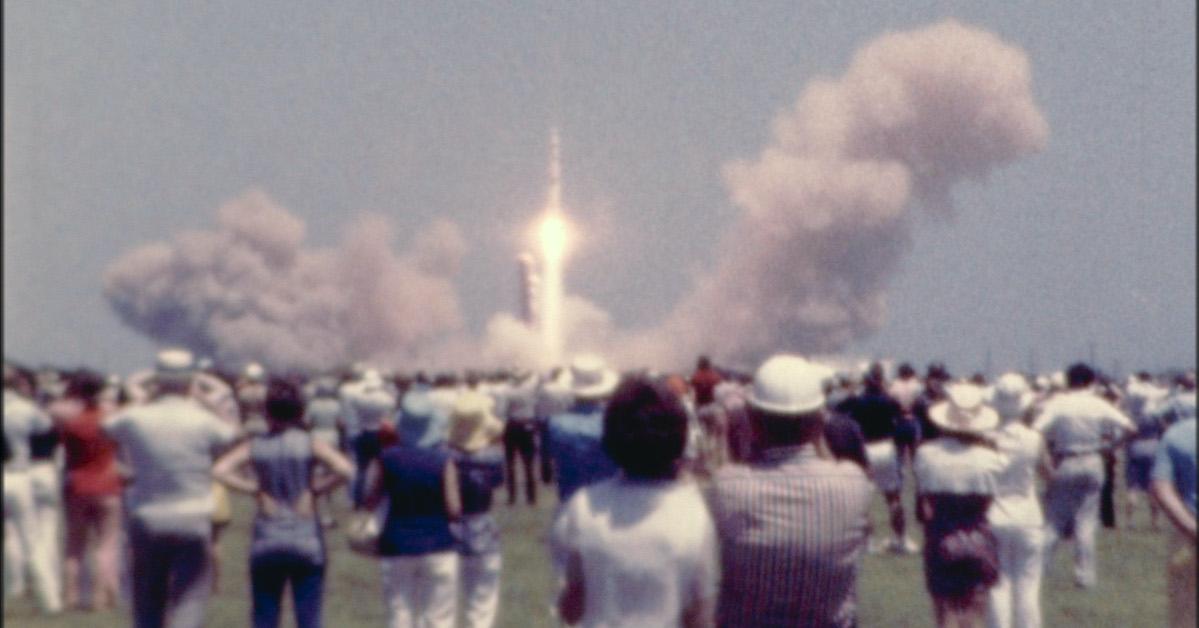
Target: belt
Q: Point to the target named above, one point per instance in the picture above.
(1074, 454)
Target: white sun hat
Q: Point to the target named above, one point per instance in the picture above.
(174, 364)
(473, 425)
(963, 410)
(788, 384)
(590, 378)
(254, 372)
(1011, 395)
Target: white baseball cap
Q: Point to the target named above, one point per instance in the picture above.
(788, 384)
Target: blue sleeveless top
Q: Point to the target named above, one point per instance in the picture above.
(283, 462)
(417, 522)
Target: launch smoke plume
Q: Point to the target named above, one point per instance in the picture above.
(824, 223)
(824, 219)
(249, 290)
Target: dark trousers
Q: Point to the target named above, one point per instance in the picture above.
(520, 439)
(172, 578)
(1107, 498)
(268, 576)
(543, 437)
(366, 449)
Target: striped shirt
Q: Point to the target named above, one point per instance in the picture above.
(792, 529)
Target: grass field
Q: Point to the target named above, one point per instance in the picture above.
(1131, 590)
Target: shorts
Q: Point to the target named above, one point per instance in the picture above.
(1137, 473)
(884, 466)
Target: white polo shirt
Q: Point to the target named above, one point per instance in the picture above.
(1076, 422)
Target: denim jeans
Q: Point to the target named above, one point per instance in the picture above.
(172, 578)
(268, 576)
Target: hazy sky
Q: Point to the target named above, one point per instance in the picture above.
(126, 122)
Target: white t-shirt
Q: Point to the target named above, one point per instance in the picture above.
(22, 419)
(1016, 501)
(648, 550)
(947, 465)
(169, 445)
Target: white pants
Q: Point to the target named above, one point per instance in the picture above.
(480, 589)
(1016, 597)
(24, 548)
(1072, 507)
(47, 503)
(420, 591)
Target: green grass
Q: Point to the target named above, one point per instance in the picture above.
(1131, 590)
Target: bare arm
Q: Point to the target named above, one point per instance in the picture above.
(343, 469)
(227, 470)
(453, 498)
(1168, 498)
(374, 486)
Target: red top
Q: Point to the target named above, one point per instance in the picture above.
(90, 456)
(704, 382)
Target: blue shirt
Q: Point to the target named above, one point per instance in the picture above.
(1175, 460)
(575, 446)
(417, 522)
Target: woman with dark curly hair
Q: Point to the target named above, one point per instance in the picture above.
(638, 549)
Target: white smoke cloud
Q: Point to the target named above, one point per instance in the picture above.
(824, 225)
(249, 290)
(824, 222)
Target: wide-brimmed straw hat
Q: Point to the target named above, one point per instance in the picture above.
(473, 426)
(589, 377)
(963, 410)
(1011, 396)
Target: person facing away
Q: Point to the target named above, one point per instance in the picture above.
(575, 434)
(24, 553)
(521, 433)
(792, 524)
(1077, 426)
(168, 445)
(638, 549)
(1174, 480)
(956, 482)
(417, 550)
(1015, 514)
(287, 546)
(1144, 403)
(878, 415)
(474, 445)
(93, 494)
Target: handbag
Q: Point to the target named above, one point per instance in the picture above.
(362, 533)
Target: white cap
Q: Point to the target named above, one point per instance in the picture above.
(788, 384)
(254, 372)
(173, 361)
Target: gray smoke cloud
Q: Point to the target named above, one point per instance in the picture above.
(825, 218)
(249, 289)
